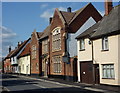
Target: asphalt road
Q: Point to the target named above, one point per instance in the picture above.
(14, 84)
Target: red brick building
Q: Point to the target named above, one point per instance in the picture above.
(63, 23)
(35, 48)
(7, 62)
(45, 52)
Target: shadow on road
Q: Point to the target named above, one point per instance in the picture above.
(17, 82)
(8, 76)
(54, 90)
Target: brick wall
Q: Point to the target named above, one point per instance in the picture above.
(37, 60)
(56, 22)
(7, 66)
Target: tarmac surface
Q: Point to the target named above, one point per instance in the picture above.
(27, 84)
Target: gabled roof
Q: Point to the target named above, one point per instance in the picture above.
(109, 24)
(18, 49)
(46, 33)
(39, 34)
(69, 17)
(81, 16)
(78, 12)
(26, 51)
(10, 54)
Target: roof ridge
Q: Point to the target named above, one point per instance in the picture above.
(78, 12)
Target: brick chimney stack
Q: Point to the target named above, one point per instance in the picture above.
(50, 20)
(69, 9)
(108, 6)
(9, 49)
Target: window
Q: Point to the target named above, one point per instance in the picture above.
(105, 43)
(37, 66)
(22, 66)
(56, 39)
(57, 64)
(82, 44)
(45, 46)
(108, 71)
(32, 66)
(33, 52)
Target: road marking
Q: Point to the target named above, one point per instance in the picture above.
(39, 86)
(6, 89)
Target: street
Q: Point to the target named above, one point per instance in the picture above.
(15, 84)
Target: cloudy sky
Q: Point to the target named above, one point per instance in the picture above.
(21, 18)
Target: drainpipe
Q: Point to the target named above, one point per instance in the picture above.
(93, 65)
(65, 50)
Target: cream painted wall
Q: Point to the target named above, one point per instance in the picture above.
(107, 57)
(24, 61)
(119, 59)
(85, 55)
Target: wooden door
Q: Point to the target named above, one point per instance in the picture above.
(86, 72)
(97, 76)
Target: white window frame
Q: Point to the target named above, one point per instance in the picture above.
(82, 44)
(45, 46)
(105, 43)
(108, 71)
(57, 67)
(56, 39)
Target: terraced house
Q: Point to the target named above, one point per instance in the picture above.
(65, 25)
(99, 50)
(7, 62)
(24, 61)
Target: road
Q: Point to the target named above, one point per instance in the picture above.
(15, 84)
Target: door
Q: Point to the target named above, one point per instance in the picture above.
(45, 68)
(86, 72)
(97, 76)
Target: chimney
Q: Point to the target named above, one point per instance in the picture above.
(9, 49)
(108, 6)
(18, 44)
(50, 20)
(69, 9)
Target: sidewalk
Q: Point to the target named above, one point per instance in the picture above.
(108, 88)
(105, 88)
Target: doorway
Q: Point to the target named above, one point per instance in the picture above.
(97, 75)
(86, 72)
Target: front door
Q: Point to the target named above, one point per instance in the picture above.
(97, 76)
(45, 68)
(86, 72)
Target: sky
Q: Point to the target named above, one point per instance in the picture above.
(19, 19)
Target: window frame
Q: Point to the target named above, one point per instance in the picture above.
(57, 65)
(104, 42)
(34, 52)
(45, 46)
(56, 39)
(82, 44)
(108, 68)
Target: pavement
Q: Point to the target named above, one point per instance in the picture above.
(46, 85)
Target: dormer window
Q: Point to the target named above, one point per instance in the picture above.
(105, 43)
(56, 39)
